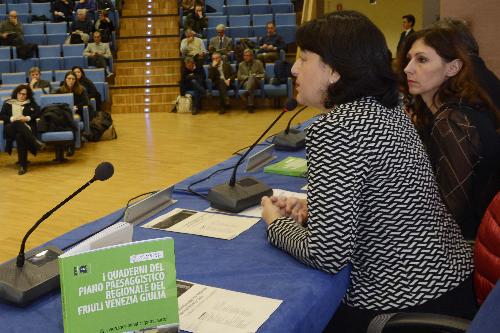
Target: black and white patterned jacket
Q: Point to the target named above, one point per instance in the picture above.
(373, 202)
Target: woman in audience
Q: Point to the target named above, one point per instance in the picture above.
(19, 115)
(372, 200)
(80, 96)
(456, 120)
(88, 85)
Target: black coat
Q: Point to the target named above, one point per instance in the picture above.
(402, 38)
(31, 109)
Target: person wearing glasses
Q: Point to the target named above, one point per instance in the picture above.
(19, 114)
(11, 30)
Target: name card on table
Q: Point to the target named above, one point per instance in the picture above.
(120, 288)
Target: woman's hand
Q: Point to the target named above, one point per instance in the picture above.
(270, 212)
(292, 207)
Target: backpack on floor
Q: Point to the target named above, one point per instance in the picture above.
(98, 125)
(184, 104)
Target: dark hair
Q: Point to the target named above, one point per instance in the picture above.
(355, 48)
(77, 88)
(81, 70)
(29, 92)
(410, 18)
(460, 28)
(461, 87)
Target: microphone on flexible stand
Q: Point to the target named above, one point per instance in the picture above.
(236, 196)
(24, 280)
(291, 138)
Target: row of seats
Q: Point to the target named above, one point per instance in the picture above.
(285, 31)
(253, 9)
(44, 51)
(56, 63)
(58, 139)
(253, 20)
(267, 88)
(26, 8)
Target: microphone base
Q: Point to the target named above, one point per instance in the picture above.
(246, 192)
(38, 276)
(294, 140)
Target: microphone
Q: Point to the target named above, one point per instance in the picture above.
(290, 139)
(236, 196)
(24, 280)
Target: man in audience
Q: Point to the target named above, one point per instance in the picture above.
(194, 47)
(220, 43)
(222, 75)
(105, 5)
(37, 82)
(196, 21)
(82, 25)
(105, 26)
(250, 73)
(193, 78)
(98, 53)
(11, 30)
(88, 5)
(270, 45)
(408, 23)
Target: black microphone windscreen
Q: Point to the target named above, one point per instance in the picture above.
(290, 104)
(104, 171)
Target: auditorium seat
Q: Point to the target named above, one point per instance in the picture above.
(236, 10)
(240, 32)
(257, 2)
(260, 9)
(34, 29)
(282, 8)
(50, 63)
(261, 19)
(40, 9)
(95, 74)
(13, 78)
(239, 20)
(73, 50)
(285, 19)
(40, 39)
(56, 38)
(5, 66)
(20, 8)
(49, 51)
(56, 28)
(24, 65)
(276, 91)
(214, 21)
(5, 52)
(287, 32)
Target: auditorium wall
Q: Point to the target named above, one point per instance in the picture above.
(482, 17)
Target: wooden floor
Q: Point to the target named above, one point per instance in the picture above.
(152, 151)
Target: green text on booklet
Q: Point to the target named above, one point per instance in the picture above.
(125, 287)
(290, 166)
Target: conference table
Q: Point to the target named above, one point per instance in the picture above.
(248, 264)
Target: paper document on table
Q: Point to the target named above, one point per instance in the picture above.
(201, 223)
(213, 310)
(256, 211)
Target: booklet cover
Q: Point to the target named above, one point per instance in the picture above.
(290, 166)
(120, 288)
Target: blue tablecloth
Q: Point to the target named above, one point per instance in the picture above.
(247, 264)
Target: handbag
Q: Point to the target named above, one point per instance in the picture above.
(184, 104)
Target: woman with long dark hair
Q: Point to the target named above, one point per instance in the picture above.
(19, 114)
(88, 85)
(456, 120)
(372, 200)
(80, 96)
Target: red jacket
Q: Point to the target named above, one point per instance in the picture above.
(487, 251)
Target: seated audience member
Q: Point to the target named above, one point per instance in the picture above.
(192, 46)
(250, 73)
(487, 80)
(36, 81)
(196, 21)
(193, 78)
(19, 115)
(221, 43)
(105, 5)
(89, 5)
(11, 30)
(105, 26)
(62, 11)
(456, 120)
(82, 25)
(188, 6)
(88, 85)
(270, 45)
(372, 201)
(222, 75)
(98, 53)
(80, 96)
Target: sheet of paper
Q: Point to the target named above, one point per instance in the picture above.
(256, 211)
(205, 309)
(202, 223)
